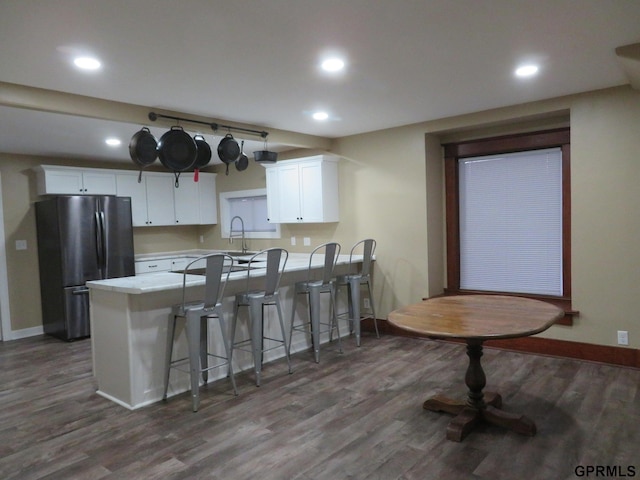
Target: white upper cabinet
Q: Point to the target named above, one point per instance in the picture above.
(127, 186)
(207, 200)
(304, 190)
(155, 200)
(186, 203)
(55, 180)
(273, 200)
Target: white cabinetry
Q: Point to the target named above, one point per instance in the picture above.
(153, 265)
(156, 201)
(304, 190)
(160, 204)
(195, 202)
(127, 186)
(165, 264)
(55, 180)
(207, 200)
(151, 199)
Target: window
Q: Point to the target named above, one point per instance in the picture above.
(511, 222)
(251, 206)
(508, 216)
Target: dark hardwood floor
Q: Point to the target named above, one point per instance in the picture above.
(356, 415)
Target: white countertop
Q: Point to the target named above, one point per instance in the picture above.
(155, 282)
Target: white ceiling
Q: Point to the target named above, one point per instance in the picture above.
(256, 61)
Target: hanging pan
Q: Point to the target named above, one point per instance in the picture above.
(228, 150)
(204, 155)
(243, 161)
(143, 149)
(178, 152)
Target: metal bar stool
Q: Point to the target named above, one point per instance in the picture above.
(313, 288)
(197, 315)
(353, 282)
(256, 300)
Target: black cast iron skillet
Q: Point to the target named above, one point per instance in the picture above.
(204, 155)
(243, 161)
(228, 150)
(178, 152)
(143, 148)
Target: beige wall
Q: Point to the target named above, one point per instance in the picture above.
(391, 189)
(605, 229)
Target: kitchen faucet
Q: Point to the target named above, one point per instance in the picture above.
(231, 234)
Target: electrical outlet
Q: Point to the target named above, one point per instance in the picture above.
(201, 238)
(21, 244)
(293, 241)
(367, 303)
(623, 337)
(307, 241)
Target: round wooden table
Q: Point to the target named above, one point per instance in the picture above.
(476, 318)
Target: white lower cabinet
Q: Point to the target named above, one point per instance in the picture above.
(304, 190)
(164, 264)
(152, 266)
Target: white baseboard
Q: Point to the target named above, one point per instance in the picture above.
(24, 333)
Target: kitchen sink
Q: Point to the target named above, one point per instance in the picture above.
(234, 268)
(242, 258)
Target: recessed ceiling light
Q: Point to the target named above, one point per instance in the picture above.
(112, 142)
(526, 70)
(333, 64)
(87, 63)
(320, 116)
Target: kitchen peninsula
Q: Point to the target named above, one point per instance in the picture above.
(129, 321)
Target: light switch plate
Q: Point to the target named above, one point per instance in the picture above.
(21, 244)
(293, 240)
(307, 241)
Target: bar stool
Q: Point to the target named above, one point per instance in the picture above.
(197, 315)
(256, 300)
(313, 288)
(353, 281)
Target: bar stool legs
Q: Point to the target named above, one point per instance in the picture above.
(354, 283)
(198, 355)
(256, 304)
(313, 291)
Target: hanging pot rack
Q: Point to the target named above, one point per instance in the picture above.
(214, 126)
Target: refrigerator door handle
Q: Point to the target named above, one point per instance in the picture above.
(103, 242)
(80, 291)
(99, 241)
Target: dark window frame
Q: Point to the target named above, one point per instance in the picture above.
(561, 138)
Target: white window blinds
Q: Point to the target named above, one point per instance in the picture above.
(253, 211)
(511, 222)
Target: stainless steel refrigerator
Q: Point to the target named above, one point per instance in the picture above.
(80, 238)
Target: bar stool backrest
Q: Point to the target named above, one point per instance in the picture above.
(276, 261)
(217, 269)
(331, 252)
(368, 246)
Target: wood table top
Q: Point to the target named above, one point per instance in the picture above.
(477, 317)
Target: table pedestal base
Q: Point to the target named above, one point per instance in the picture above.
(467, 417)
